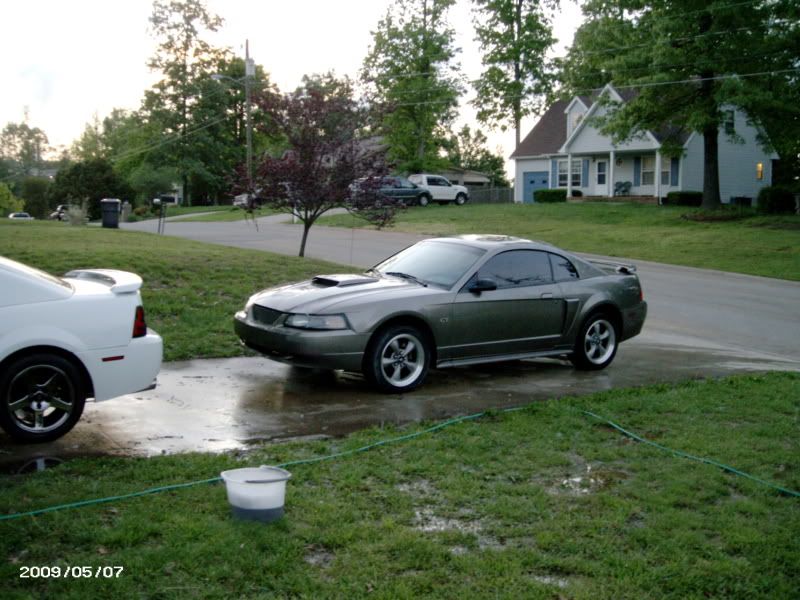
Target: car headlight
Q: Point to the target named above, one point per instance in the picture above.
(316, 321)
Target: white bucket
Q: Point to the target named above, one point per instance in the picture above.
(258, 493)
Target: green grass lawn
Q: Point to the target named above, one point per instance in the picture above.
(191, 290)
(231, 214)
(540, 503)
(759, 245)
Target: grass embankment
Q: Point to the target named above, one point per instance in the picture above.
(759, 245)
(540, 503)
(191, 290)
(231, 214)
(177, 211)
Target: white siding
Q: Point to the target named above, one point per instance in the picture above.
(575, 115)
(525, 165)
(590, 140)
(737, 163)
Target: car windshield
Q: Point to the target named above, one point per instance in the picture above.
(435, 263)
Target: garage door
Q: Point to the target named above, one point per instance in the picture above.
(533, 180)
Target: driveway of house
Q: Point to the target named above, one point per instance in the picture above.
(701, 323)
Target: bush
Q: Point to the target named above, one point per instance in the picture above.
(577, 193)
(140, 211)
(775, 200)
(684, 199)
(557, 195)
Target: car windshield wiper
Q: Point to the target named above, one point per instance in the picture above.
(407, 276)
(373, 271)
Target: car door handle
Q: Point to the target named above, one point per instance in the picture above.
(547, 296)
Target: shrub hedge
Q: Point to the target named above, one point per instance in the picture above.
(684, 199)
(546, 195)
(775, 200)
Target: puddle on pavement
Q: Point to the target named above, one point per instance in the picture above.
(221, 405)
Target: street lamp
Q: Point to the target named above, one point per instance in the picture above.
(249, 72)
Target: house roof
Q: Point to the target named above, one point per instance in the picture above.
(548, 135)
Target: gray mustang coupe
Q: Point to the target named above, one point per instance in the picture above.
(446, 302)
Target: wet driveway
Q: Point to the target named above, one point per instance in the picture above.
(227, 404)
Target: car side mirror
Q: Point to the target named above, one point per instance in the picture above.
(484, 284)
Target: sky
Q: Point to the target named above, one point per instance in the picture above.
(66, 61)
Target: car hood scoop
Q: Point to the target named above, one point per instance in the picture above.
(342, 280)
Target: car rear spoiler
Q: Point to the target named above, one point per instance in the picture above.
(120, 282)
(621, 268)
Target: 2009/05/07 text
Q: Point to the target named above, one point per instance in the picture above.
(87, 572)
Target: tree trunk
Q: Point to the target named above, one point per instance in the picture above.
(517, 34)
(306, 227)
(711, 199)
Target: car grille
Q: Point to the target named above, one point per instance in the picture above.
(265, 315)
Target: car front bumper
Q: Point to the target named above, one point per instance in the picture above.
(336, 349)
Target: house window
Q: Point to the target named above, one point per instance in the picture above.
(665, 175)
(601, 172)
(760, 171)
(648, 170)
(576, 173)
(729, 122)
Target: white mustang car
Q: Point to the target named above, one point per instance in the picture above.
(63, 340)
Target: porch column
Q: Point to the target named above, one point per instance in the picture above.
(569, 175)
(657, 177)
(611, 160)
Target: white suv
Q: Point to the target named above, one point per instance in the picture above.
(439, 189)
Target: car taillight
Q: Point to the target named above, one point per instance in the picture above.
(139, 326)
(641, 293)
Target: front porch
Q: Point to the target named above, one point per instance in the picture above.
(636, 174)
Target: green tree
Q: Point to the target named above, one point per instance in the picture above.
(514, 37)
(91, 144)
(8, 202)
(467, 149)
(413, 81)
(87, 182)
(23, 147)
(690, 60)
(34, 191)
(186, 62)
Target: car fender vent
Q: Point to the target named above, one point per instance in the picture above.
(342, 280)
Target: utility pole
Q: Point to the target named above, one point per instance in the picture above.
(249, 71)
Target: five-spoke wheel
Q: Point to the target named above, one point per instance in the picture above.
(42, 398)
(596, 344)
(398, 359)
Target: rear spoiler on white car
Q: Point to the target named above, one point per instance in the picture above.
(622, 268)
(120, 282)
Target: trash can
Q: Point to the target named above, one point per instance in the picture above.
(110, 210)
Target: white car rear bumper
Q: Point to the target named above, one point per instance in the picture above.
(124, 369)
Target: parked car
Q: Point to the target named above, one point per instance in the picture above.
(20, 216)
(60, 213)
(440, 189)
(398, 189)
(448, 302)
(66, 339)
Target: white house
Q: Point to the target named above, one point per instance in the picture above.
(566, 150)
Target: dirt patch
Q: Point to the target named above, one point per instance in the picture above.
(318, 556)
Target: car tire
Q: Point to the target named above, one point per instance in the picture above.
(424, 200)
(461, 199)
(596, 344)
(397, 359)
(57, 403)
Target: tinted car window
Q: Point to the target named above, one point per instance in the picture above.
(437, 263)
(438, 181)
(563, 269)
(517, 268)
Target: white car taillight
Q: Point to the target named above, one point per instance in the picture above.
(139, 325)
